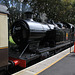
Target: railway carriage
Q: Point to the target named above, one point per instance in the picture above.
(3, 39)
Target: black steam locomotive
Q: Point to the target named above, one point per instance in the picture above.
(36, 39)
(38, 35)
(33, 40)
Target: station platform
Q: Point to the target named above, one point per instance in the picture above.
(65, 66)
(62, 63)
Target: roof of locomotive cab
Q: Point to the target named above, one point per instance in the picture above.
(3, 9)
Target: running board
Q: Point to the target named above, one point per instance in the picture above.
(53, 48)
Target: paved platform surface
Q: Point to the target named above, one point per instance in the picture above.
(66, 66)
(54, 65)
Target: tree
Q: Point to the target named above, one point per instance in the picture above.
(58, 10)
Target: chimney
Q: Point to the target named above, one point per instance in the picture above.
(29, 16)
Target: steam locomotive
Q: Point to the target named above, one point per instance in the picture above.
(33, 40)
(36, 40)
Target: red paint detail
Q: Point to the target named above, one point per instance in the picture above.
(74, 47)
(20, 62)
(66, 38)
(74, 34)
(16, 62)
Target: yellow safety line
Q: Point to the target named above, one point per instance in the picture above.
(3, 47)
(51, 64)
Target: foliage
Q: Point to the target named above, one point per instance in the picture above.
(11, 40)
(58, 10)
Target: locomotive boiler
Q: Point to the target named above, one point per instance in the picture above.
(26, 32)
